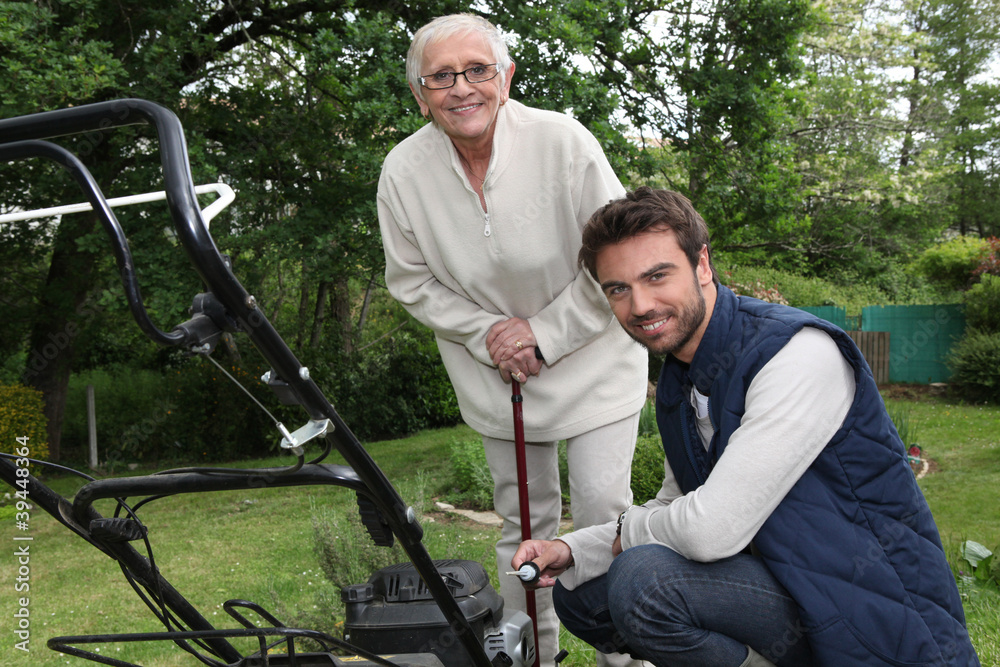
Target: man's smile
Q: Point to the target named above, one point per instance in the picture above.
(651, 326)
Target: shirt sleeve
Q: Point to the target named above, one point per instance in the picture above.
(580, 312)
(451, 315)
(591, 546)
(794, 406)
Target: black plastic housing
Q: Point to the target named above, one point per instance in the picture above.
(395, 613)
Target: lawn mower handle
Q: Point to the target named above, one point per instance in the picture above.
(21, 137)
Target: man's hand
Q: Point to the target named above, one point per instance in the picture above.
(616, 546)
(553, 557)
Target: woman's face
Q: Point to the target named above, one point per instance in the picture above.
(465, 111)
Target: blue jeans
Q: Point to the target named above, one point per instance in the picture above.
(659, 606)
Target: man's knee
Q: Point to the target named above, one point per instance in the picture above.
(584, 613)
(637, 590)
(567, 605)
(584, 608)
(630, 571)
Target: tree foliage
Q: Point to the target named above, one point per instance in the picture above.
(292, 103)
(837, 138)
(952, 264)
(706, 87)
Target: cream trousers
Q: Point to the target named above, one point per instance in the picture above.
(600, 463)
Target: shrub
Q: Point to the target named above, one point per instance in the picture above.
(982, 562)
(794, 289)
(391, 390)
(647, 468)
(204, 416)
(950, 264)
(990, 263)
(192, 413)
(347, 555)
(647, 419)
(123, 398)
(904, 426)
(982, 304)
(800, 291)
(472, 483)
(22, 415)
(975, 363)
(758, 290)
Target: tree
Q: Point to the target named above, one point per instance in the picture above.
(706, 86)
(863, 200)
(962, 45)
(890, 117)
(178, 54)
(294, 103)
(49, 62)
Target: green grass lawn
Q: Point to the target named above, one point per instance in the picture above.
(963, 442)
(260, 545)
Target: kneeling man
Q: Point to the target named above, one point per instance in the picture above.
(789, 529)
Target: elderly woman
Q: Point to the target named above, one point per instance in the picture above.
(481, 212)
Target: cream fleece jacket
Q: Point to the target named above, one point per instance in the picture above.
(459, 270)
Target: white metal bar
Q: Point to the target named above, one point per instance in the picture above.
(226, 197)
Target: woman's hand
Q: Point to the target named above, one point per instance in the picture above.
(508, 339)
(520, 366)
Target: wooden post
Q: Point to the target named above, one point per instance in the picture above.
(92, 426)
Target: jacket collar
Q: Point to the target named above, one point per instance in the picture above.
(504, 123)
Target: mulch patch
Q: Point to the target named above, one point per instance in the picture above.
(912, 391)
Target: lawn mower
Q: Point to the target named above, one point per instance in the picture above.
(426, 612)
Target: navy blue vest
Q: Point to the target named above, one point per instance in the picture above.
(853, 542)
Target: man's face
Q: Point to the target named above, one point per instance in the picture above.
(654, 292)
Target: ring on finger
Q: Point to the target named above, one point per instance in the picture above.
(518, 344)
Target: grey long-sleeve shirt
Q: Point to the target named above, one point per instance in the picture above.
(794, 406)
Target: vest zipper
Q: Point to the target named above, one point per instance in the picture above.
(686, 432)
(711, 420)
(486, 229)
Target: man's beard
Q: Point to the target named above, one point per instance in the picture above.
(687, 321)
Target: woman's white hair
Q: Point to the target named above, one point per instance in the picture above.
(445, 27)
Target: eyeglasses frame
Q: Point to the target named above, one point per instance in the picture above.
(455, 75)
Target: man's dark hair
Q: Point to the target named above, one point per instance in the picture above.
(641, 211)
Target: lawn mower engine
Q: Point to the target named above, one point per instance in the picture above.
(394, 613)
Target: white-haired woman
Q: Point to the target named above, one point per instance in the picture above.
(481, 212)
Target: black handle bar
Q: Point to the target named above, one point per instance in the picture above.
(123, 256)
(240, 306)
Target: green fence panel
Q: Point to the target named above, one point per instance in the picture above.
(920, 338)
(832, 314)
